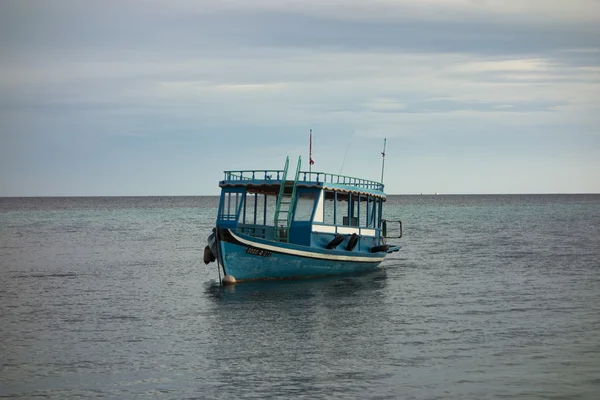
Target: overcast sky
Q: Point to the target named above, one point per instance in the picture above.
(159, 97)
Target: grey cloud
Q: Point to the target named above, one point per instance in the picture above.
(409, 35)
(436, 106)
(155, 30)
(578, 57)
(113, 55)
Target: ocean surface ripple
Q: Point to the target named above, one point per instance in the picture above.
(490, 297)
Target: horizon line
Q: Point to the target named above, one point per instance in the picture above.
(387, 194)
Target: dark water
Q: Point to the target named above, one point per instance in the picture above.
(490, 297)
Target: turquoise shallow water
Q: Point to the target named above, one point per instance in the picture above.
(490, 297)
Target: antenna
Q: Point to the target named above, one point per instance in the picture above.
(344, 160)
(383, 159)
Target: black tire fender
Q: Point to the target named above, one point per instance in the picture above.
(381, 248)
(208, 255)
(335, 242)
(352, 242)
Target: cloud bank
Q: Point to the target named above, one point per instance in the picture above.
(156, 97)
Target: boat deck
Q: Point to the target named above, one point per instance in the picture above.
(269, 180)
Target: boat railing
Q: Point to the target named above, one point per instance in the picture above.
(252, 175)
(323, 177)
(304, 176)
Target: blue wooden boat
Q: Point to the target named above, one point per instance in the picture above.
(271, 226)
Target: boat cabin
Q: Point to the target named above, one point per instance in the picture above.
(312, 210)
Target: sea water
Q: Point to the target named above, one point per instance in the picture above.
(490, 297)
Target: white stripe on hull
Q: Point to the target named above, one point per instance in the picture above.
(310, 254)
(343, 230)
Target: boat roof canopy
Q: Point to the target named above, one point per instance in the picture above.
(269, 182)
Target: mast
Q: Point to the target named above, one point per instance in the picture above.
(310, 159)
(383, 159)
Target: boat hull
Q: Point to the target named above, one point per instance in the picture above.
(247, 258)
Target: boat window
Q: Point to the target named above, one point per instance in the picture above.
(230, 204)
(258, 209)
(354, 210)
(253, 209)
(372, 212)
(345, 209)
(328, 208)
(341, 211)
(342, 208)
(363, 207)
(350, 217)
(304, 206)
(271, 205)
